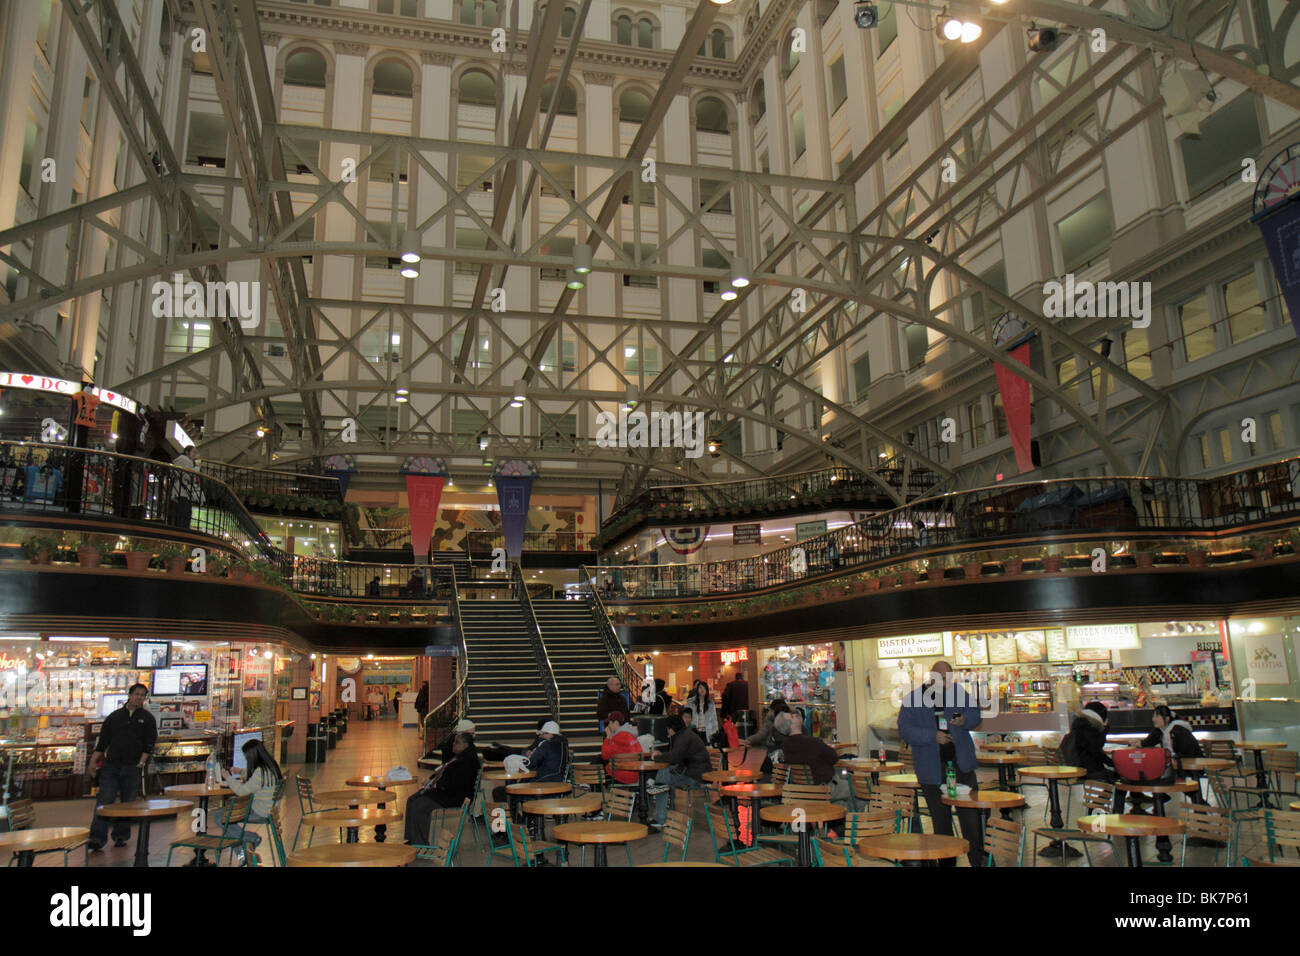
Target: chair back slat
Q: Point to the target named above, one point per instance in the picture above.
(834, 854)
(22, 814)
(1219, 749)
(905, 755)
(677, 834)
(1282, 762)
(1098, 796)
(715, 758)
(869, 823)
(1004, 841)
(1283, 829)
(780, 773)
(861, 783)
(589, 774)
(799, 773)
(1207, 822)
(720, 829)
(619, 804)
(806, 793)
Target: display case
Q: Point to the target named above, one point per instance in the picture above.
(40, 771)
(182, 759)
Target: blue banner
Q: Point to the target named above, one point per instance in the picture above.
(1281, 229)
(512, 496)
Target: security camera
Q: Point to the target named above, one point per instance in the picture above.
(865, 15)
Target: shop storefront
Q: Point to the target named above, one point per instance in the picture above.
(307, 538)
(804, 676)
(55, 692)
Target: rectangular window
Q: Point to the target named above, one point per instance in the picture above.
(569, 349)
(886, 25)
(639, 281)
(839, 85)
(1086, 232)
(1137, 353)
(466, 423)
(478, 358)
(1207, 458)
(796, 126)
(561, 427)
(1244, 308)
(641, 359)
(31, 133)
(1205, 162)
(862, 376)
(975, 418)
(1225, 445)
(1273, 421)
(918, 342)
(188, 335)
(715, 195)
(765, 162)
(1197, 328)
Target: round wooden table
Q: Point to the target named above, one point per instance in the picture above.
(508, 778)
(720, 777)
(642, 866)
(1005, 746)
(201, 792)
(873, 767)
(1006, 764)
(145, 811)
(354, 819)
(907, 780)
(802, 815)
(642, 767)
(1164, 849)
(381, 784)
(1261, 775)
(984, 802)
(351, 798)
(1295, 806)
(562, 808)
(754, 792)
(1207, 764)
(913, 849)
(25, 844)
(1053, 776)
(353, 854)
(531, 788)
(601, 833)
(1132, 827)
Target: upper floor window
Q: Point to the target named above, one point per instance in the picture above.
(403, 8)
(305, 68)
(711, 116)
(393, 78)
(567, 104)
(477, 88)
(715, 45)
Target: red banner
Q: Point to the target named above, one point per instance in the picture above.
(1015, 402)
(423, 492)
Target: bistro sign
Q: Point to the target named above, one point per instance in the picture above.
(917, 645)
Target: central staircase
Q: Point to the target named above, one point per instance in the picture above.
(506, 695)
(581, 664)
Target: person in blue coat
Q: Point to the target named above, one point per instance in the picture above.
(936, 720)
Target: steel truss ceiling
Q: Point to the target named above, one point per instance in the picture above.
(846, 262)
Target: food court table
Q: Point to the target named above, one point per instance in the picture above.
(201, 792)
(1006, 764)
(909, 781)
(755, 792)
(1261, 775)
(1132, 827)
(913, 849)
(985, 801)
(354, 819)
(25, 844)
(353, 854)
(720, 777)
(1005, 746)
(562, 808)
(385, 786)
(1164, 850)
(873, 767)
(1053, 775)
(329, 799)
(642, 767)
(144, 811)
(531, 788)
(601, 833)
(804, 814)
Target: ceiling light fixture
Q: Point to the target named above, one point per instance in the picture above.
(260, 432)
(411, 246)
(739, 273)
(519, 390)
(729, 294)
(410, 272)
(1042, 39)
(576, 282)
(582, 259)
(866, 16)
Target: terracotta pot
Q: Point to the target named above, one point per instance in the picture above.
(1262, 554)
(1013, 565)
(1145, 559)
(177, 564)
(886, 581)
(359, 617)
(1198, 559)
(871, 584)
(1052, 563)
(935, 576)
(859, 587)
(974, 569)
(42, 557)
(138, 560)
(89, 557)
(907, 578)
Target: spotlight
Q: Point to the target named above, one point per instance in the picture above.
(482, 441)
(410, 272)
(729, 294)
(714, 447)
(260, 432)
(1042, 39)
(411, 246)
(866, 16)
(519, 390)
(575, 282)
(582, 259)
(951, 29)
(739, 273)
(402, 398)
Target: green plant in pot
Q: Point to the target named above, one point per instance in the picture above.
(1052, 559)
(40, 548)
(1013, 566)
(1144, 553)
(92, 550)
(174, 557)
(1197, 556)
(138, 555)
(1262, 547)
(972, 564)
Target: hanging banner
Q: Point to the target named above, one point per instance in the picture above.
(1277, 213)
(341, 468)
(514, 484)
(425, 477)
(1015, 403)
(685, 540)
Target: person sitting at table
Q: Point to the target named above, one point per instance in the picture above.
(620, 738)
(548, 757)
(688, 761)
(262, 777)
(799, 748)
(936, 720)
(449, 786)
(768, 737)
(1085, 746)
(1176, 737)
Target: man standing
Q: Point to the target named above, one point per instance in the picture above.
(125, 742)
(735, 697)
(184, 489)
(936, 720)
(422, 704)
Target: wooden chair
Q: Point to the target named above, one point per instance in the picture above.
(727, 848)
(780, 773)
(832, 854)
(1282, 829)
(715, 759)
(526, 851)
(869, 823)
(22, 816)
(1004, 841)
(619, 805)
(796, 794)
(236, 813)
(905, 755)
(677, 833)
(443, 848)
(306, 807)
(897, 801)
(860, 787)
(1098, 798)
(799, 773)
(1280, 767)
(504, 850)
(1208, 823)
(275, 832)
(588, 775)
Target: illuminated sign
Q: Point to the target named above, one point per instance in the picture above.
(180, 437)
(916, 645)
(8, 663)
(732, 657)
(1115, 637)
(116, 399)
(39, 383)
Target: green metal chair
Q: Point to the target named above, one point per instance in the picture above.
(22, 815)
(1004, 842)
(307, 806)
(236, 813)
(619, 805)
(728, 849)
(526, 851)
(1282, 829)
(832, 854)
(1098, 798)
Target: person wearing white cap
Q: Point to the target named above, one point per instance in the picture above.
(548, 758)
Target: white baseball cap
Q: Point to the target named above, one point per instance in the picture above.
(550, 727)
(464, 727)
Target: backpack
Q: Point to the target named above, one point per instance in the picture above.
(1143, 765)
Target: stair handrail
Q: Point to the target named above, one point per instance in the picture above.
(632, 681)
(456, 704)
(535, 636)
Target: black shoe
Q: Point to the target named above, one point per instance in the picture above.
(95, 847)
(121, 843)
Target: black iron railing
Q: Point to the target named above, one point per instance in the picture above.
(455, 704)
(480, 544)
(1029, 513)
(268, 483)
(626, 672)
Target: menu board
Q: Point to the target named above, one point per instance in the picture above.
(1031, 647)
(1002, 648)
(1096, 654)
(1057, 649)
(969, 650)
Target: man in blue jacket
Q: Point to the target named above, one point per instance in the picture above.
(936, 720)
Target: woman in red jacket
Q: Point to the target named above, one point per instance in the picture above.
(619, 739)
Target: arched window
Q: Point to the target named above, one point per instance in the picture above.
(567, 104)
(791, 58)
(759, 97)
(645, 33)
(711, 116)
(477, 88)
(393, 78)
(305, 68)
(718, 44)
(623, 30)
(491, 13)
(633, 106)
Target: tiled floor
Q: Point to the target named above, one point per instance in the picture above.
(375, 747)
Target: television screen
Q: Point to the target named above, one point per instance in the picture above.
(111, 702)
(239, 762)
(193, 679)
(166, 682)
(152, 654)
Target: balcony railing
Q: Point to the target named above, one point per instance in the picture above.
(267, 483)
(480, 544)
(1027, 513)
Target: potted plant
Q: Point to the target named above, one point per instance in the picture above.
(872, 583)
(1145, 553)
(217, 564)
(972, 565)
(137, 557)
(174, 557)
(1013, 566)
(1261, 547)
(934, 572)
(907, 577)
(39, 548)
(237, 570)
(1051, 560)
(886, 581)
(92, 550)
(1198, 557)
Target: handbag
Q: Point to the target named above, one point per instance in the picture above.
(1143, 765)
(516, 763)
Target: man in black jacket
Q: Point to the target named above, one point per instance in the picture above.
(735, 697)
(688, 761)
(450, 786)
(125, 742)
